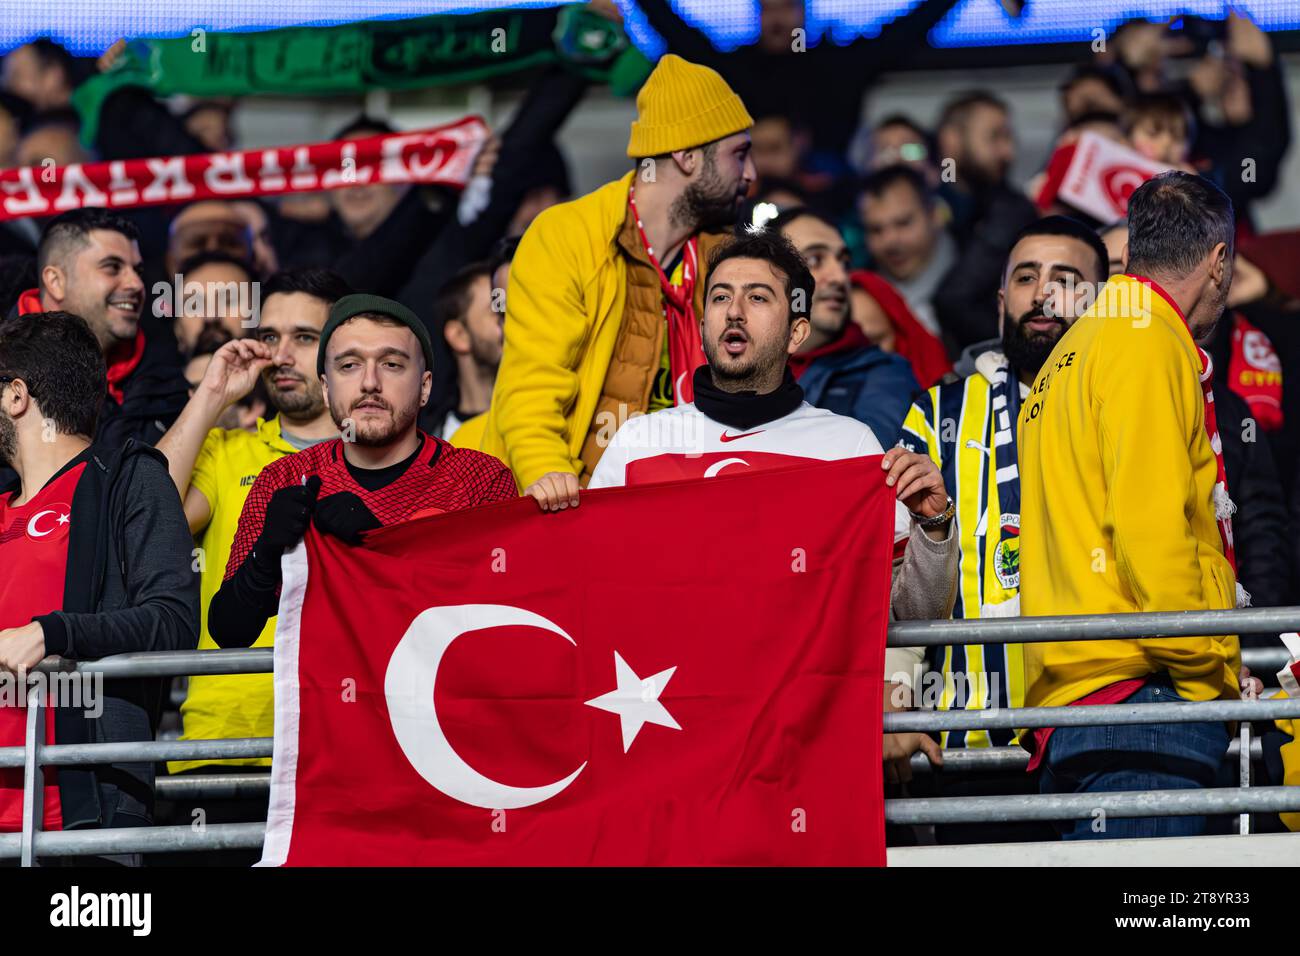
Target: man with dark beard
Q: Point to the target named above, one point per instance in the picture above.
(375, 363)
(606, 292)
(968, 427)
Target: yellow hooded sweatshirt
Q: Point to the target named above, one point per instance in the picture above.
(1117, 513)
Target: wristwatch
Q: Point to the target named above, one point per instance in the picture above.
(936, 521)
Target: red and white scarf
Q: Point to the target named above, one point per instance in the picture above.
(685, 346)
(1223, 506)
(441, 154)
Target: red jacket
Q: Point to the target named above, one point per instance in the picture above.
(912, 340)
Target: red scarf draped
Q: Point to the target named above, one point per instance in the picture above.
(685, 346)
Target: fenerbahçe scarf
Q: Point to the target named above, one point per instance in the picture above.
(683, 673)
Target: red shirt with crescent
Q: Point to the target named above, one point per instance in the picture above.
(34, 555)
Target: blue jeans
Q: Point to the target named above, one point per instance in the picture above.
(1135, 757)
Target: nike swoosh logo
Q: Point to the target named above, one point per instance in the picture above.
(726, 437)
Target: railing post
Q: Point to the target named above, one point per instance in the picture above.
(1244, 772)
(33, 773)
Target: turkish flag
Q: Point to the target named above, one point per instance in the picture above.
(1096, 175)
(683, 673)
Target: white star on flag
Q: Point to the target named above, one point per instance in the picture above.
(636, 700)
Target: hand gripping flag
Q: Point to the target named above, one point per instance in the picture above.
(686, 673)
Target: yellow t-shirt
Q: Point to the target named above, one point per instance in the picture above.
(229, 705)
(470, 432)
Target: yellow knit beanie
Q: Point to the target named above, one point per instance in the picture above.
(683, 105)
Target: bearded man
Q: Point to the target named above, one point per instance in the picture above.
(606, 292)
(967, 425)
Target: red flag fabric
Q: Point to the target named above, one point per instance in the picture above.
(1096, 175)
(685, 673)
(442, 154)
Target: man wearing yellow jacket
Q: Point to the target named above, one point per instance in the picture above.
(1124, 508)
(602, 320)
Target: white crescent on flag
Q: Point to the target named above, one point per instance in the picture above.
(717, 466)
(409, 687)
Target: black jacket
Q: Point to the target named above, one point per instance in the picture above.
(966, 301)
(1281, 323)
(129, 586)
(1257, 147)
(133, 124)
(153, 396)
(1259, 528)
(550, 100)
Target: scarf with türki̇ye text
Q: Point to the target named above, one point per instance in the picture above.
(443, 154)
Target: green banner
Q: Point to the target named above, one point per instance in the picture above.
(373, 54)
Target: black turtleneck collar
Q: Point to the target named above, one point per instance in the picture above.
(745, 410)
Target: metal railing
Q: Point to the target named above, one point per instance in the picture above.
(32, 842)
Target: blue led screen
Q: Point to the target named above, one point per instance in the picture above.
(87, 27)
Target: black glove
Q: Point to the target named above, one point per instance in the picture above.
(288, 515)
(242, 605)
(345, 516)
